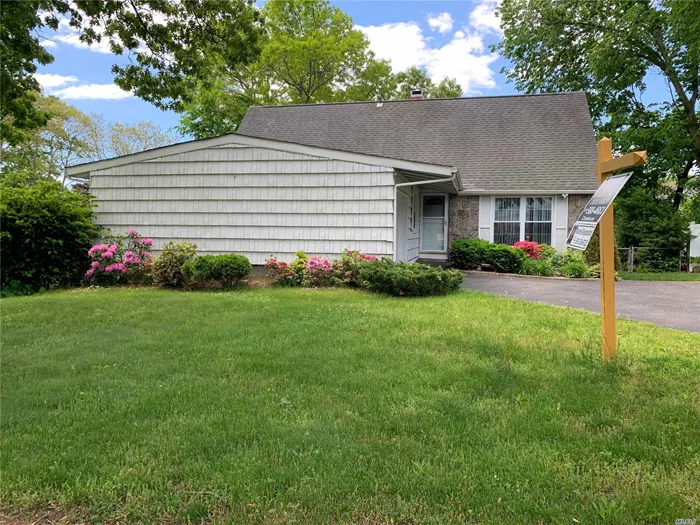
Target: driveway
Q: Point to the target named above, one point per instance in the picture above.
(671, 304)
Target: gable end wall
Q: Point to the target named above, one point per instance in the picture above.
(251, 200)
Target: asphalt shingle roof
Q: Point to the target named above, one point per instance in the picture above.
(516, 143)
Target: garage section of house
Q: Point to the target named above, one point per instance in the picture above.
(400, 179)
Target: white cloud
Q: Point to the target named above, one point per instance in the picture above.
(57, 86)
(442, 22)
(464, 57)
(484, 19)
(92, 91)
(50, 80)
(402, 43)
(44, 42)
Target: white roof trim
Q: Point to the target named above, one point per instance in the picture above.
(516, 193)
(234, 138)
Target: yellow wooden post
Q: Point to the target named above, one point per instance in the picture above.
(605, 167)
(607, 261)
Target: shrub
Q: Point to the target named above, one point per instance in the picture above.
(468, 254)
(46, 232)
(167, 269)
(317, 272)
(299, 264)
(282, 272)
(505, 259)
(111, 263)
(232, 268)
(547, 252)
(138, 258)
(574, 269)
(215, 270)
(106, 266)
(562, 259)
(533, 267)
(408, 279)
(532, 249)
(594, 271)
(346, 269)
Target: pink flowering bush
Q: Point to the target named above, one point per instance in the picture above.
(113, 263)
(531, 249)
(317, 272)
(287, 274)
(281, 272)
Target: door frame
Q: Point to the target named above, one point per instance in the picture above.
(402, 226)
(446, 220)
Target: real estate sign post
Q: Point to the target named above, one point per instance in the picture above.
(599, 210)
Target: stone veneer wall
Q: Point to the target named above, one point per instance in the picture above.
(576, 204)
(463, 217)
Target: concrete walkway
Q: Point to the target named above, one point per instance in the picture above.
(671, 304)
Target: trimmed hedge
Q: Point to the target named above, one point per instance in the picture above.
(505, 259)
(215, 270)
(469, 254)
(408, 279)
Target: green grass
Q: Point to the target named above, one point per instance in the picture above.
(665, 276)
(298, 406)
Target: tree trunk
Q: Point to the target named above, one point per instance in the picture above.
(680, 185)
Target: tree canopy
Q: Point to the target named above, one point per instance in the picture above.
(311, 52)
(170, 45)
(70, 136)
(608, 48)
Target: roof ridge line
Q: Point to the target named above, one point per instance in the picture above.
(514, 95)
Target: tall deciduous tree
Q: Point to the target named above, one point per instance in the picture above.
(70, 136)
(412, 78)
(447, 88)
(170, 42)
(310, 53)
(313, 48)
(607, 48)
(105, 139)
(46, 151)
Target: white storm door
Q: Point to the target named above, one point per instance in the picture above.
(434, 225)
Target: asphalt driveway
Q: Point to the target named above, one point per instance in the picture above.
(671, 304)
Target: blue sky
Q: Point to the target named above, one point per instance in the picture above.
(446, 38)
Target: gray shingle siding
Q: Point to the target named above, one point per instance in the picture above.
(516, 143)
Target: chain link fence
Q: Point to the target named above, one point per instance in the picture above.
(650, 259)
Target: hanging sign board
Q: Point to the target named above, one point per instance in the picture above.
(583, 229)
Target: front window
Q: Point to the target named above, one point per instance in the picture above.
(522, 219)
(538, 220)
(506, 223)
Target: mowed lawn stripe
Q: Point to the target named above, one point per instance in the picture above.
(339, 405)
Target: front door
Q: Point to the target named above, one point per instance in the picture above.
(434, 227)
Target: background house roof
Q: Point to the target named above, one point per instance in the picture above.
(528, 143)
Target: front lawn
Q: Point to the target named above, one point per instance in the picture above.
(289, 405)
(665, 276)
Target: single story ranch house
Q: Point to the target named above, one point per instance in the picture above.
(395, 178)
